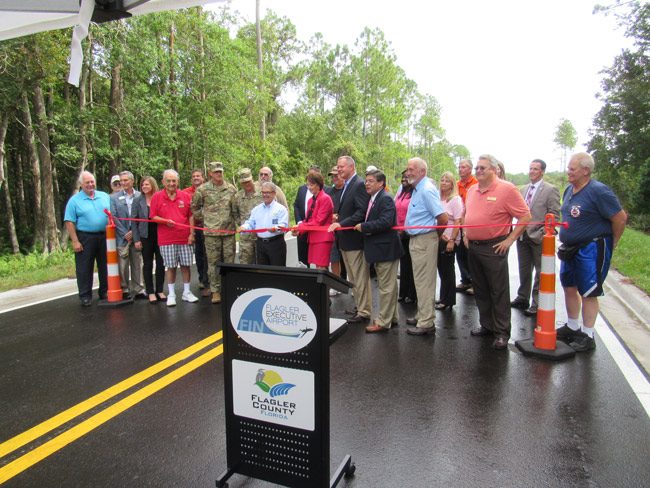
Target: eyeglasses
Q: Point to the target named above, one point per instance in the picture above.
(268, 193)
(116, 183)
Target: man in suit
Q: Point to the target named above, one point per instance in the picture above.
(129, 252)
(541, 198)
(300, 206)
(381, 247)
(350, 212)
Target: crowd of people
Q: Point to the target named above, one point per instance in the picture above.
(356, 228)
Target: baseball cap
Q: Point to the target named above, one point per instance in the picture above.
(245, 175)
(115, 178)
(216, 166)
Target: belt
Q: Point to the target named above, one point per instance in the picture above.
(91, 233)
(487, 242)
(270, 239)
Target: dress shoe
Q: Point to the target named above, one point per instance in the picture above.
(216, 297)
(153, 299)
(530, 311)
(461, 287)
(500, 343)
(480, 331)
(442, 306)
(412, 321)
(373, 328)
(86, 302)
(420, 331)
(357, 319)
(519, 303)
(161, 297)
(205, 292)
(141, 296)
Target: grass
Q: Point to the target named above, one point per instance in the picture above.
(632, 258)
(19, 271)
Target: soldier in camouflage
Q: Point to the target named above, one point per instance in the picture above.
(213, 203)
(245, 200)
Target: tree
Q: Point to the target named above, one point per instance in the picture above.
(566, 138)
(621, 129)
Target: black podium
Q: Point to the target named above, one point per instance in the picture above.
(277, 333)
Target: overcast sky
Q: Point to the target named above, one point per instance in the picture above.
(504, 72)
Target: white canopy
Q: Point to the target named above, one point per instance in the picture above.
(23, 17)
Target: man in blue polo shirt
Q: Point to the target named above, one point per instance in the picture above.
(86, 222)
(425, 210)
(596, 222)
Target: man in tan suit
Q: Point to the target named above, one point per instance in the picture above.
(542, 198)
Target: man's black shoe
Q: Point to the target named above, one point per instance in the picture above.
(357, 319)
(420, 331)
(530, 311)
(480, 331)
(583, 344)
(86, 302)
(519, 303)
(567, 334)
(461, 287)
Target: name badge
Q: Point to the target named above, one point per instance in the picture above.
(122, 198)
(491, 199)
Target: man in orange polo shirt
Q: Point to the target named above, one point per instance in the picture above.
(492, 201)
(465, 181)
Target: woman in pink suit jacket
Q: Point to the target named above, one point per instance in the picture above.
(319, 213)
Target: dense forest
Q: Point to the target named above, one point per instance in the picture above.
(180, 89)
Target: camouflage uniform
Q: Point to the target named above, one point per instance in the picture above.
(243, 203)
(214, 205)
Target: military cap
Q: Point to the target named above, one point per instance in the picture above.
(245, 175)
(215, 166)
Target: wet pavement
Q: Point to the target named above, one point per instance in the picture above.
(412, 411)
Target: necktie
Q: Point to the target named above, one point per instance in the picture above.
(529, 197)
(370, 204)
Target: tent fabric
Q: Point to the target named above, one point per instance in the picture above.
(24, 17)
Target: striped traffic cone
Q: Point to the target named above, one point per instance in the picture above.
(544, 344)
(114, 294)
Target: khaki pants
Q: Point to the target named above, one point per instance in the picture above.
(387, 284)
(424, 256)
(218, 249)
(130, 265)
(247, 251)
(359, 275)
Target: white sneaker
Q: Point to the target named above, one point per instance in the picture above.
(171, 300)
(189, 297)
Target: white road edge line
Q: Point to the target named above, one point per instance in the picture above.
(31, 303)
(634, 376)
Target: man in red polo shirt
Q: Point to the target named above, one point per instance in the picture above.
(492, 201)
(465, 181)
(170, 207)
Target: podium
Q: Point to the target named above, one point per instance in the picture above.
(276, 336)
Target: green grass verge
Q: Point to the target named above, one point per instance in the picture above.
(632, 258)
(21, 271)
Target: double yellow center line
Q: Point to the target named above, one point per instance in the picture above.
(44, 450)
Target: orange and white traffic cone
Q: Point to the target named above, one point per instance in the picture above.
(545, 344)
(114, 295)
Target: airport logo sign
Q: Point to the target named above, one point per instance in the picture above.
(273, 320)
(272, 394)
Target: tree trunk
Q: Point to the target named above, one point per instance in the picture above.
(115, 139)
(50, 231)
(260, 66)
(4, 175)
(28, 136)
(55, 176)
(20, 186)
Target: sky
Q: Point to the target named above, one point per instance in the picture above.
(504, 72)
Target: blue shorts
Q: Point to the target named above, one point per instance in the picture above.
(588, 269)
